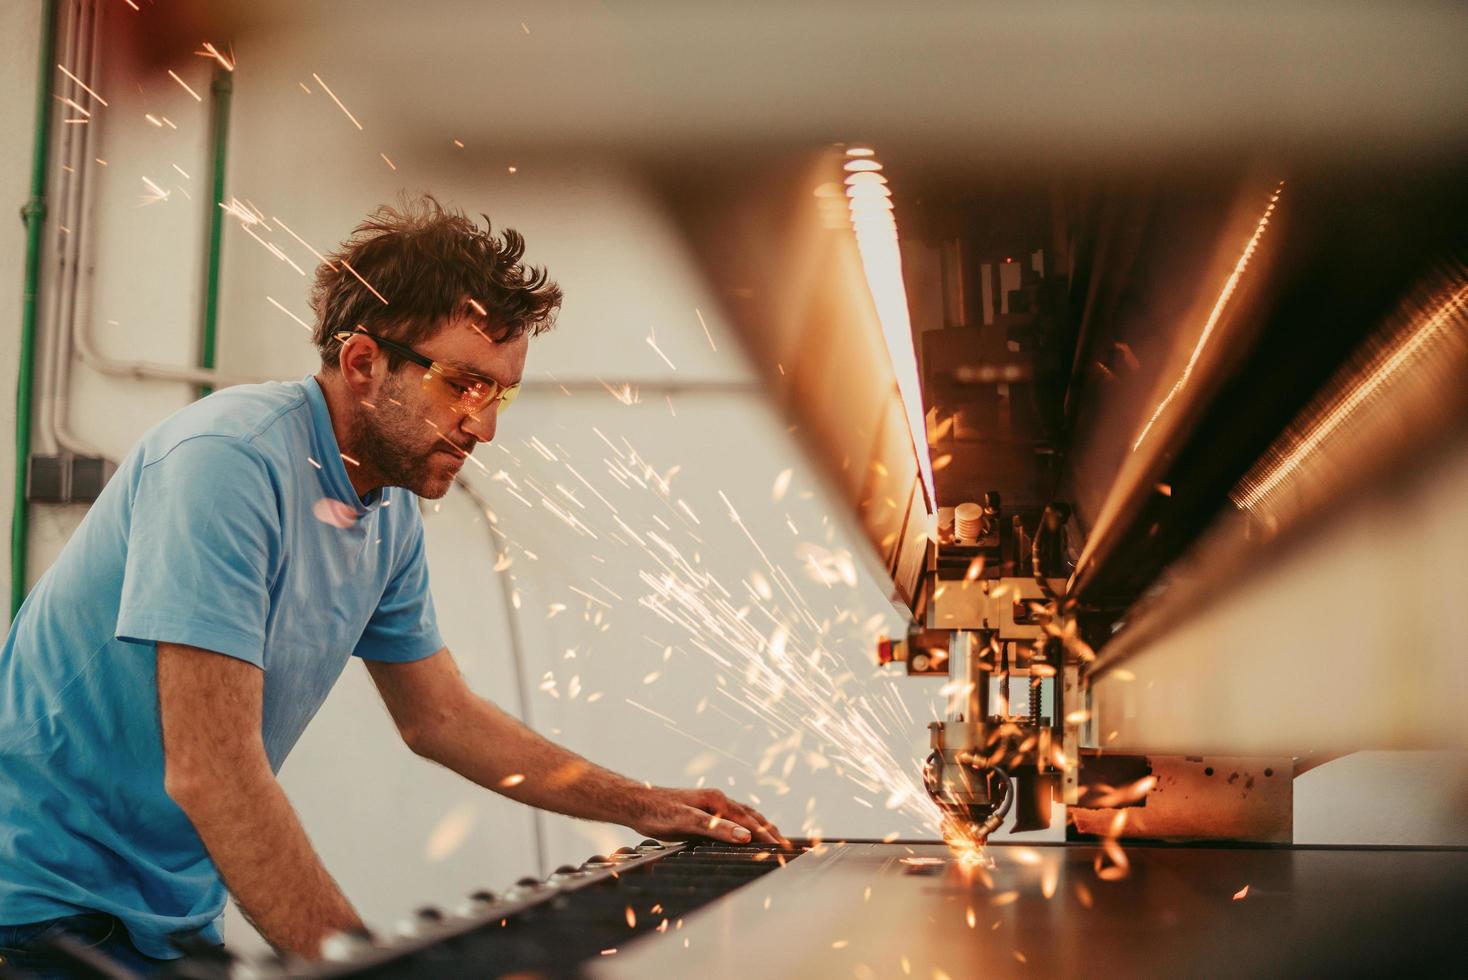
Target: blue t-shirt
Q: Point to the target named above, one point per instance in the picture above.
(211, 534)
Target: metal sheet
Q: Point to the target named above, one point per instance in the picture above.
(858, 910)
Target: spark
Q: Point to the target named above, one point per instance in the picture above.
(304, 244)
(210, 51)
(174, 75)
(1241, 894)
(348, 266)
(450, 833)
(237, 209)
(327, 89)
(132, 4)
(608, 591)
(459, 144)
(782, 484)
(514, 779)
(1049, 879)
(655, 714)
(152, 119)
(71, 103)
(83, 85)
(625, 393)
(304, 325)
(388, 160)
(158, 193)
(654, 345)
(701, 323)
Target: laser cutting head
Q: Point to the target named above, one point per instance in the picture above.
(973, 796)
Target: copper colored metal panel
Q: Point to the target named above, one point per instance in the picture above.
(858, 910)
(1236, 798)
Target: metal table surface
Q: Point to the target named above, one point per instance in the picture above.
(860, 910)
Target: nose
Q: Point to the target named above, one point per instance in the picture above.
(481, 425)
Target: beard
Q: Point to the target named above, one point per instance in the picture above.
(399, 446)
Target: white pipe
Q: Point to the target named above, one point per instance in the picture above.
(73, 336)
(79, 183)
(58, 216)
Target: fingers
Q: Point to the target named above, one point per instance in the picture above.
(717, 827)
(760, 829)
(764, 831)
(767, 833)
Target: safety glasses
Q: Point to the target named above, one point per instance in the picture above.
(464, 391)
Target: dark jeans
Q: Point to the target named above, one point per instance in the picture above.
(24, 949)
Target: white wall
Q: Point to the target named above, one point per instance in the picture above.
(1406, 798)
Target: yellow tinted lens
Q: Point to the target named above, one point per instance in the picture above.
(464, 392)
(508, 395)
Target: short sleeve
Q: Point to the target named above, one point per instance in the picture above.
(404, 627)
(203, 544)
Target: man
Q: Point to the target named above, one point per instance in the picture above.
(161, 670)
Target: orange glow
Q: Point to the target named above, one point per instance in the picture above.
(870, 204)
(1380, 373)
(1231, 284)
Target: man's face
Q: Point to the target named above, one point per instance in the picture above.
(412, 436)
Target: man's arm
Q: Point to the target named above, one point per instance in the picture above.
(442, 720)
(216, 770)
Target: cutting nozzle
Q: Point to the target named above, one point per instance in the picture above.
(974, 799)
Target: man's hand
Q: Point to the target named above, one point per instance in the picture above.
(678, 814)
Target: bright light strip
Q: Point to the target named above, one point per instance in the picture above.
(881, 258)
(1386, 369)
(1223, 297)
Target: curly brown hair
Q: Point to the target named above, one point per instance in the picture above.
(408, 270)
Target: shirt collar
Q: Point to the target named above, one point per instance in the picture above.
(333, 467)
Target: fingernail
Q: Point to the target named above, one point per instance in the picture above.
(740, 834)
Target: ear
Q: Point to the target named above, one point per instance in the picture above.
(360, 365)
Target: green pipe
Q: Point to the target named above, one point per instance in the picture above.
(220, 92)
(34, 214)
